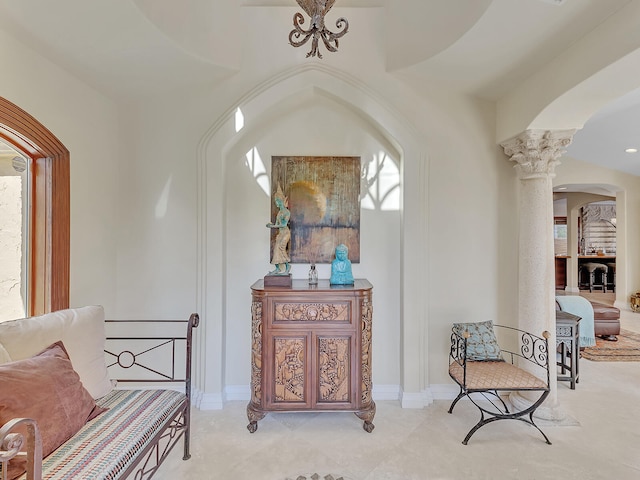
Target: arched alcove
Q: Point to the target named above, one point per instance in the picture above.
(302, 91)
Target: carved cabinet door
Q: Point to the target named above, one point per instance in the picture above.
(309, 370)
(288, 363)
(334, 370)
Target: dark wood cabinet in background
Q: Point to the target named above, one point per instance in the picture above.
(561, 272)
(311, 349)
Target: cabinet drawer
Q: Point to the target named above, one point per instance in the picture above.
(287, 313)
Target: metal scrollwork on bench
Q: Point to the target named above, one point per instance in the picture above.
(533, 348)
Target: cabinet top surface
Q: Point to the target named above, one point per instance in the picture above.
(302, 285)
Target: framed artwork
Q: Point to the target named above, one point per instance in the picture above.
(324, 201)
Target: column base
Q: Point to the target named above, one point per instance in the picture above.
(546, 414)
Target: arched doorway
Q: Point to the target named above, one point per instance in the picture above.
(582, 247)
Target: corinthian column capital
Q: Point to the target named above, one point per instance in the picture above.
(536, 152)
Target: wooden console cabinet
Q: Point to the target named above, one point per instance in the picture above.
(311, 349)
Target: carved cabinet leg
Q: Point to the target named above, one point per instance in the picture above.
(254, 416)
(367, 415)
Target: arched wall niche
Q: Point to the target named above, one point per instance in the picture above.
(50, 222)
(289, 93)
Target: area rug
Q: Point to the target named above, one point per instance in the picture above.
(626, 349)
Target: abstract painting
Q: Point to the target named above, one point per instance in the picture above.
(324, 200)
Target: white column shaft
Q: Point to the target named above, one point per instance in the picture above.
(535, 153)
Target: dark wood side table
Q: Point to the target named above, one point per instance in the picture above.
(568, 343)
(311, 349)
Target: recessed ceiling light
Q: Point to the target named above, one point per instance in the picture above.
(631, 150)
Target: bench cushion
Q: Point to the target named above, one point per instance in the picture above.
(495, 376)
(109, 444)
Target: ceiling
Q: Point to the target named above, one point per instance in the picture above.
(130, 48)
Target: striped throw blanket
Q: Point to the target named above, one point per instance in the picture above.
(107, 445)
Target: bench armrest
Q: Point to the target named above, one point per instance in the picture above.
(11, 443)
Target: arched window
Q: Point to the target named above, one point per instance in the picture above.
(50, 222)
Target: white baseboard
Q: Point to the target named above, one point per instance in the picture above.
(385, 392)
(416, 400)
(426, 397)
(215, 401)
(444, 391)
(237, 393)
(243, 393)
(206, 401)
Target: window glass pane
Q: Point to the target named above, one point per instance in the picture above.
(14, 222)
(560, 232)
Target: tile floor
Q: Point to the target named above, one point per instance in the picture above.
(426, 443)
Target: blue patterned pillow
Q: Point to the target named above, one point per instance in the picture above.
(482, 343)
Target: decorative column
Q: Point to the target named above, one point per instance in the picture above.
(535, 153)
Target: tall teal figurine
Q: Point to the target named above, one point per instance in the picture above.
(281, 258)
(341, 267)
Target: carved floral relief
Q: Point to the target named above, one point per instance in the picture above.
(367, 384)
(309, 312)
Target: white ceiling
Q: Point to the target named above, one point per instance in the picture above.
(127, 48)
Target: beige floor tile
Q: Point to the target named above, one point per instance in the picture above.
(425, 444)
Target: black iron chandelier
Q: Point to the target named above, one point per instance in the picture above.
(316, 9)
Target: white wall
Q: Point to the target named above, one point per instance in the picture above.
(87, 124)
(166, 218)
(445, 246)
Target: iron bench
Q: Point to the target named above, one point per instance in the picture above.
(140, 426)
(483, 381)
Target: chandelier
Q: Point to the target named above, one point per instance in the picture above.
(316, 9)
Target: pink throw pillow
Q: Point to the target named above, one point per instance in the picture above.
(45, 388)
